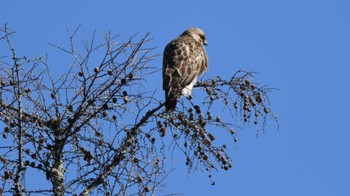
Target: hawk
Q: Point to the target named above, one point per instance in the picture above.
(184, 59)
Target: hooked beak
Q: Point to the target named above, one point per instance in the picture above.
(205, 42)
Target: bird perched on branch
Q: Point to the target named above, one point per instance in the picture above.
(184, 59)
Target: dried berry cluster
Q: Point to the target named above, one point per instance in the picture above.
(190, 132)
(239, 94)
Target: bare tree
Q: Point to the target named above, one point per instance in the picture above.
(97, 129)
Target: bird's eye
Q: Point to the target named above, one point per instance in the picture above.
(201, 36)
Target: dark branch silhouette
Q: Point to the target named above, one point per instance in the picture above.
(96, 129)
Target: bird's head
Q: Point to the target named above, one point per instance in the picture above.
(197, 34)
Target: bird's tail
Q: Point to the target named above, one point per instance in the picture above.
(170, 100)
(170, 105)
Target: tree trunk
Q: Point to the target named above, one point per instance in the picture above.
(57, 173)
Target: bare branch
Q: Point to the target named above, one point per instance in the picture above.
(99, 129)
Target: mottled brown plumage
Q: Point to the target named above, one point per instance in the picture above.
(184, 59)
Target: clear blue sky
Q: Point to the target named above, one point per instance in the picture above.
(301, 47)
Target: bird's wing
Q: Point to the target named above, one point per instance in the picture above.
(183, 61)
